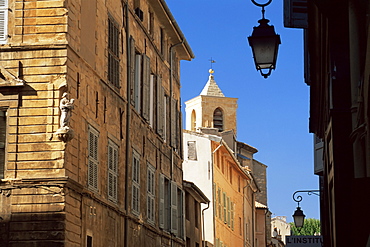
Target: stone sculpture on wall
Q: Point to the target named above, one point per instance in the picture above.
(65, 133)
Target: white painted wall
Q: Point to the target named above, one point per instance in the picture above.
(200, 172)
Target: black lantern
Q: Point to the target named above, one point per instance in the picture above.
(298, 217)
(265, 44)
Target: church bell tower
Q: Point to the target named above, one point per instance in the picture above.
(211, 109)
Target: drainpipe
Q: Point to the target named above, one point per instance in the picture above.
(204, 233)
(170, 112)
(170, 99)
(128, 119)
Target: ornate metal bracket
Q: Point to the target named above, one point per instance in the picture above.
(298, 198)
(262, 5)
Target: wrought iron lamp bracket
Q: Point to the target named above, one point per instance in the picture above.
(262, 6)
(299, 198)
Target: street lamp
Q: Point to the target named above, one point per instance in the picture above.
(265, 43)
(298, 215)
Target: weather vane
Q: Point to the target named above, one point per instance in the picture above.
(212, 62)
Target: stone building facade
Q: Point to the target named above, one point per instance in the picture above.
(337, 70)
(103, 167)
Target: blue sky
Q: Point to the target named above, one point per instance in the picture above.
(272, 113)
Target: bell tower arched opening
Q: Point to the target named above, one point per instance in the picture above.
(218, 119)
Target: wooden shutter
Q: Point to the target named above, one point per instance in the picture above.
(228, 212)
(93, 159)
(112, 171)
(132, 70)
(174, 223)
(161, 201)
(232, 216)
(151, 100)
(225, 208)
(181, 213)
(137, 82)
(295, 13)
(151, 193)
(214, 200)
(3, 21)
(146, 87)
(160, 107)
(173, 122)
(219, 203)
(135, 184)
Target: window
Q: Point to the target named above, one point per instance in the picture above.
(231, 173)
(151, 23)
(93, 159)
(228, 205)
(160, 107)
(196, 214)
(174, 218)
(137, 82)
(164, 203)
(225, 207)
(188, 243)
(135, 183)
(218, 121)
(171, 209)
(180, 213)
(192, 150)
(113, 52)
(162, 41)
(145, 111)
(166, 114)
(219, 203)
(193, 121)
(3, 124)
(174, 124)
(112, 171)
(239, 184)
(152, 97)
(232, 215)
(142, 84)
(89, 242)
(215, 199)
(187, 207)
(240, 226)
(151, 194)
(3, 21)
